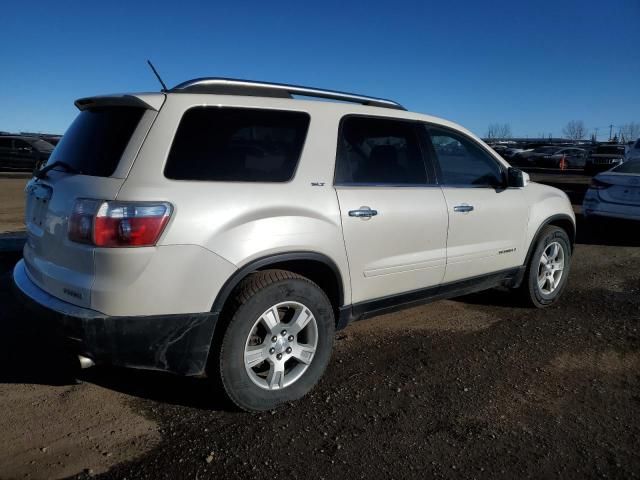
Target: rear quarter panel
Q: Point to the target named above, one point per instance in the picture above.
(243, 221)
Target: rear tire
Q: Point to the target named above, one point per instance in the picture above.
(277, 343)
(548, 270)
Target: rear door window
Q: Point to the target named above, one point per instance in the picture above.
(237, 145)
(96, 139)
(379, 151)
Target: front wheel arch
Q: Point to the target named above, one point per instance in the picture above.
(562, 221)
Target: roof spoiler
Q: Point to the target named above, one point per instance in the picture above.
(147, 101)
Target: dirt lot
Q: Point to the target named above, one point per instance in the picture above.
(471, 388)
(12, 202)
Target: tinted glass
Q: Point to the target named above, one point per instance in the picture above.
(237, 145)
(94, 142)
(632, 166)
(609, 150)
(463, 162)
(379, 151)
(5, 142)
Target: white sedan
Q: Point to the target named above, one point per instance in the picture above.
(615, 193)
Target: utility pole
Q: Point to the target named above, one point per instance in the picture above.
(596, 129)
(610, 132)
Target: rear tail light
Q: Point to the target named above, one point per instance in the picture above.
(598, 184)
(118, 224)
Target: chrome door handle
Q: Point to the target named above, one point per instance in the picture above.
(463, 208)
(363, 212)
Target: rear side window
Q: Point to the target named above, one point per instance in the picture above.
(379, 151)
(96, 139)
(463, 162)
(237, 145)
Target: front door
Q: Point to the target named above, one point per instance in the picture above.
(487, 220)
(394, 217)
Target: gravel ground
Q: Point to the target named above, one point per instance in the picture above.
(468, 388)
(12, 202)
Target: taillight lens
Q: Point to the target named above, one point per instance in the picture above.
(118, 224)
(599, 184)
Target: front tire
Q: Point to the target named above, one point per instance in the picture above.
(278, 340)
(548, 270)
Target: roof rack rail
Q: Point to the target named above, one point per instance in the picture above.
(232, 86)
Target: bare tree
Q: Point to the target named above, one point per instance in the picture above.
(630, 131)
(575, 130)
(498, 131)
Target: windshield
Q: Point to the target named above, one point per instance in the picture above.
(94, 142)
(610, 150)
(632, 166)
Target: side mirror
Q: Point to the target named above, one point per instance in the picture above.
(516, 178)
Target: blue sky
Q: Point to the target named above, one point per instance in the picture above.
(534, 65)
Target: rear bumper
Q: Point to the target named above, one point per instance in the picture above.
(177, 343)
(594, 207)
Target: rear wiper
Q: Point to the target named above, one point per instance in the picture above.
(42, 173)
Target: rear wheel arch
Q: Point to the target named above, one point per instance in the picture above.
(317, 267)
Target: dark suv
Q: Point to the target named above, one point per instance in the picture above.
(605, 157)
(24, 153)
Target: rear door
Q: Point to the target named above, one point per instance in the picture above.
(487, 221)
(394, 216)
(100, 144)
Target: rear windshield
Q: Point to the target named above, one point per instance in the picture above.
(237, 145)
(94, 142)
(610, 150)
(632, 166)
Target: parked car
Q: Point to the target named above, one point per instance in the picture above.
(23, 153)
(563, 158)
(52, 139)
(633, 152)
(511, 152)
(529, 158)
(604, 157)
(214, 229)
(615, 193)
(500, 149)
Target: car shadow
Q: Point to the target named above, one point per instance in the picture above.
(32, 352)
(607, 232)
(193, 392)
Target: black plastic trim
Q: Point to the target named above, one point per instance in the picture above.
(379, 306)
(263, 262)
(177, 343)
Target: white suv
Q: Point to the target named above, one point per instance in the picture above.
(225, 228)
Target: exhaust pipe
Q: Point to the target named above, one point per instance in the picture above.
(85, 362)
